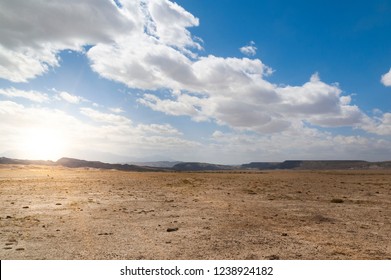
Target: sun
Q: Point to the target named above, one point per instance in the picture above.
(43, 143)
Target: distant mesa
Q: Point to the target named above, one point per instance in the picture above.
(261, 165)
(199, 166)
(318, 165)
(160, 164)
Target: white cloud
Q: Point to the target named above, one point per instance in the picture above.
(116, 110)
(33, 32)
(184, 105)
(149, 60)
(9, 107)
(170, 22)
(249, 50)
(74, 99)
(380, 125)
(249, 102)
(100, 117)
(23, 63)
(314, 97)
(30, 95)
(146, 65)
(319, 103)
(162, 129)
(386, 79)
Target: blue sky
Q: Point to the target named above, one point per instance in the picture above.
(215, 81)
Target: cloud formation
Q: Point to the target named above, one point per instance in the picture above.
(229, 91)
(70, 98)
(31, 95)
(249, 50)
(147, 45)
(257, 105)
(32, 33)
(115, 134)
(386, 79)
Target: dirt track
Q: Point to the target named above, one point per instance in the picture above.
(59, 213)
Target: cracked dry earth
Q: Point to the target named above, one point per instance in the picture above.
(60, 213)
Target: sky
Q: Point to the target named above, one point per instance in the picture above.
(218, 81)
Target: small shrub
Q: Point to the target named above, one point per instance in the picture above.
(337, 200)
(186, 181)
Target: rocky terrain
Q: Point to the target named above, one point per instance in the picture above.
(53, 212)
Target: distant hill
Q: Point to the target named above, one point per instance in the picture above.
(160, 164)
(5, 160)
(74, 163)
(199, 166)
(261, 165)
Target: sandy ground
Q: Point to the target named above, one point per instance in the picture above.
(59, 213)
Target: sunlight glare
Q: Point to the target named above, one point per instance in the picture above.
(44, 144)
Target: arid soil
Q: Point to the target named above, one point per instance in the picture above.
(60, 213)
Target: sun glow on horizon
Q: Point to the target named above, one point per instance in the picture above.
(43, 144)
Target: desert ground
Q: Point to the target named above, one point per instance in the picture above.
(61, 213)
